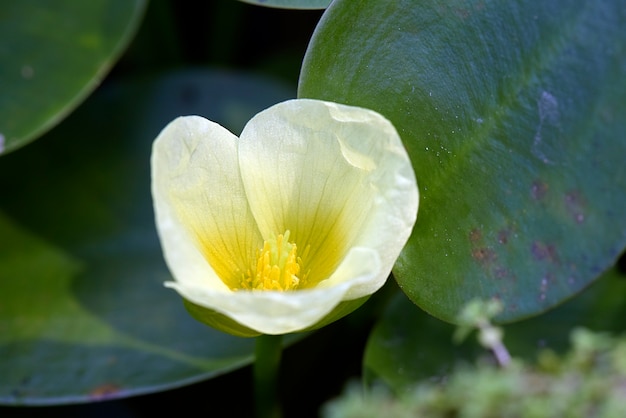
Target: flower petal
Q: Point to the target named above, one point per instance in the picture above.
(202, 215)
(337, 177)
(270, 312)
(389, 222)
(340, 178)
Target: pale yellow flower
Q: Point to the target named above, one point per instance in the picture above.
(288, 227)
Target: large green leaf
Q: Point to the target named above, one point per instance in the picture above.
(514, 115)
(83, 311)
(291, 4)
(53, 54)
(408, 346)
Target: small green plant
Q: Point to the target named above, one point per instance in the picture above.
(478, 315)
(588, 381)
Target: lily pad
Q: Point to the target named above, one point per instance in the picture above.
(291, 4)
(513, 115)
(84, 314)
(408, 346)
(53, 55)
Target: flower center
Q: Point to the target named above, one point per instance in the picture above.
(277, 266)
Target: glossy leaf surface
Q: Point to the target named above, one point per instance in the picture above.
(53, 54)
(513, 115)
(84, 314)
(291, 4)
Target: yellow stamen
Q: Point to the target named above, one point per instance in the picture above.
(277, 267)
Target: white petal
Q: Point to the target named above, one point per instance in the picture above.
(340, 178)
(282, 312)
(390, 221)
(203, 219)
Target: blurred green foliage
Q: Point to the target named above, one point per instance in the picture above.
(589, 381)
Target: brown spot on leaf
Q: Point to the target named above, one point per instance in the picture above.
(104, 391)
(475, 235)
(538, 189)
(544, 252)
(484, 255)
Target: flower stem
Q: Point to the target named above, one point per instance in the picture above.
(266, 365)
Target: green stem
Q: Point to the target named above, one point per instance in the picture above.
(266, 365)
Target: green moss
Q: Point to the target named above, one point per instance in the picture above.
(588, 381)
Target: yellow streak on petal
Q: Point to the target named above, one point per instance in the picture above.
(205, 224)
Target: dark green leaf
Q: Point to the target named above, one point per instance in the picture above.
(84, 314)
(53, 54)
(291, 4)
(514, 117)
